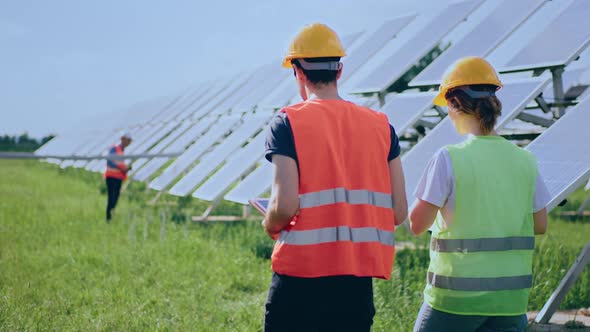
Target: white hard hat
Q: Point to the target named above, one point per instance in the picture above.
(126, 135)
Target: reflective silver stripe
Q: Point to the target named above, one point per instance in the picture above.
(342, 195)
(484, 244)
(334, 234)
(480, 284)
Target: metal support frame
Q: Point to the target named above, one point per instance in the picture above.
(583, 207)
(381, 98)
(155, 200)
(564, 286)
(246, 209)
(557, 73)
(440, 112)
(425, 124)
(211, 207)
(28, 155)
(543, 104)
(527, 117)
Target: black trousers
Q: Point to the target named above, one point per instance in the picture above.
(339, 303)
(113, 190)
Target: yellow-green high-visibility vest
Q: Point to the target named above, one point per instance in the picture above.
(482, 263)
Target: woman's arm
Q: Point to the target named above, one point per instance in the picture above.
(398, 190)
(540, 219)
(422, 216)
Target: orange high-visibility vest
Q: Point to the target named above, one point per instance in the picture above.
(346, 222)
(115, 167)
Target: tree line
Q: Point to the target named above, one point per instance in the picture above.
(22, 143)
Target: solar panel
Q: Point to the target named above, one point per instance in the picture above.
(280, 96)
(265, 86)
(76, 150)
(568, 35)
(75, 144)
(82, 149)
(233, 170)
(255, 184)
(248, 85)
(373, 43)
(349, 40)
(514, 97)
(405, 109)
(195, 151)
(154, 137)
(563, 161)
(169, 112)
(220, 99)
(408, 54)
(484, 37)
(199, 110)
(145, 136)
(143, 113)
(93, 148)
(212, 160)
(172, 135)
(178, 144)
(184, 108)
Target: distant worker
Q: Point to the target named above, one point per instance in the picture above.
(491, 201)
(337, 194)
(115, 174)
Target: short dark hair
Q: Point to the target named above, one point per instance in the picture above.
(319, 76)
(486, 109)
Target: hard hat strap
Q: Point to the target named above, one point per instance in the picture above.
(475, 94)
(329, 65)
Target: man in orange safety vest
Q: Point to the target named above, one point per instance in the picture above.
(337, 194)
(115, 174)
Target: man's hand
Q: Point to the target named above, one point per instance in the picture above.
(271, 234)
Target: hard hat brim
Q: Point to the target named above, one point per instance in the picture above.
(287, 63)
(440, 99)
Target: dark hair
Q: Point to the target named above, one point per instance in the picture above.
(319, 76)
(486, 109)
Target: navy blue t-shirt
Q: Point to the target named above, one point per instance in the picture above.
(279, 139)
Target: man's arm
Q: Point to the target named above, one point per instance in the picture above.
(398, 190)
(284, 200)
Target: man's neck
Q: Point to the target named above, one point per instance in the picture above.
(325, 91)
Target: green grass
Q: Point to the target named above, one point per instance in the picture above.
(62, 268)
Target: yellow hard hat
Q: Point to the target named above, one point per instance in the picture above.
(466, 71)
(314, 41)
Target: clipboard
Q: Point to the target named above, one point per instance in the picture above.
(261, 204)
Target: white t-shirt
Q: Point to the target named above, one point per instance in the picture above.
(437, 186)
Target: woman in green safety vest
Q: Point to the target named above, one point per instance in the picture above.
(485, 201)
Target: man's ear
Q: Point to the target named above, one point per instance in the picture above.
(299, 74)
(339, 72)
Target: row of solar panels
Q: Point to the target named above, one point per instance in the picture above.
(218, 126)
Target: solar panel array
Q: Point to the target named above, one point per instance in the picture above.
(218, 126)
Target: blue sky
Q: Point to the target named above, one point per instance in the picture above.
(64, 60)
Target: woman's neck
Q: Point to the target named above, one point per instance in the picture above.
(473, 128)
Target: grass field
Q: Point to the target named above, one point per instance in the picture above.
(62, 268)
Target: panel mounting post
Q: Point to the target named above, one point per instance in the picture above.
(558, 91)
